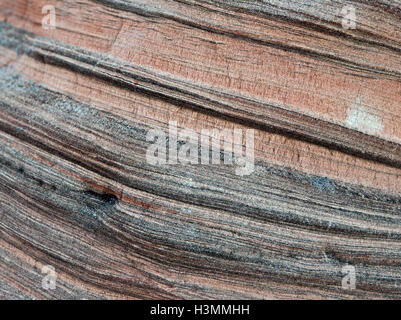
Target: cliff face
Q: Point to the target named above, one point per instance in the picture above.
(114, 182)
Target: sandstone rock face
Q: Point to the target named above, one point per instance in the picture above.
(199, 149)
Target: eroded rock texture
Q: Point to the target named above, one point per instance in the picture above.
(78, 194)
